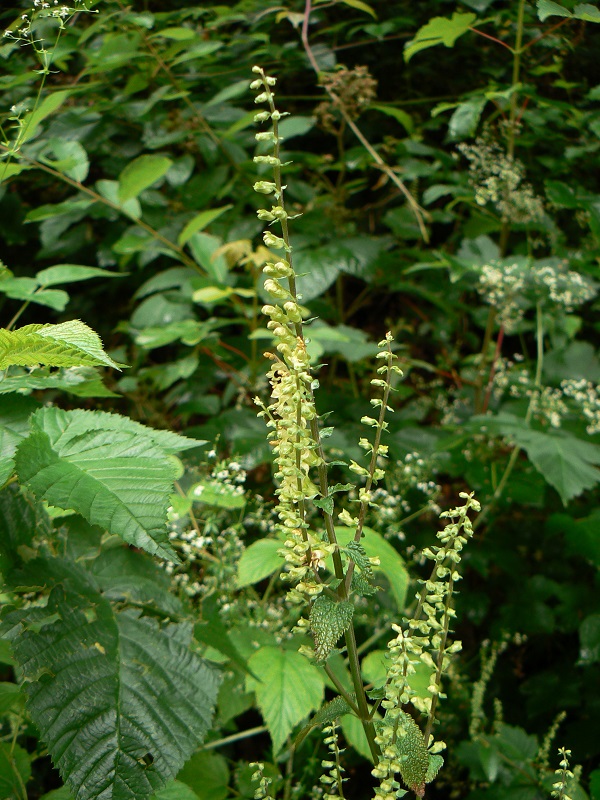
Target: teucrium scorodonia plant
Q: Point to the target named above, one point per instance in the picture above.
(397, 743)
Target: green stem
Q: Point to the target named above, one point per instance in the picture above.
(338, 685)
(517, 450)
(235, 737)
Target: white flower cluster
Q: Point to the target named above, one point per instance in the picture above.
(43, 8)
(513, 288)
(498, 178)
(587, 396)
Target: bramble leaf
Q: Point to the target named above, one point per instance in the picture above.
(69, 344)
(439, 30)
(111, 470)
(121, 701)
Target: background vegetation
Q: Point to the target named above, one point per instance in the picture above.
(447, 177)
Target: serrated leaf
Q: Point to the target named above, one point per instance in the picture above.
(439, 30)
(331, 711)
(391, 562)
(328, 621)
(140, 174)
(289, 688)
(69, 344)
(567, 463)
(436, 762)
(412, 752)
(111, 470)
(325, 503)
(258, 561)
(120, 701)
(358, 554)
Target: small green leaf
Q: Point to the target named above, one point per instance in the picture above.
(258, 561)
(140, 174)
(391, 562)
(200, 221)
(436, 762)
(465, 119)
(72, 273)
(587, 12)
(48, 106)
(289, 688)
(360, 6)
(328, 621)
(325, 503)
(439, 30)
(398, 114)
(548, 8)
(334, 709)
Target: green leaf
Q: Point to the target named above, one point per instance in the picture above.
(439, 30)
(29, 290)
(548, 8)
(465, 119)
(358, 4)
(413, 755)
(290, 688)
(328, 621)
(73, 159)
(120, 701)
(48, 106)
(212, 631)
(69, 344)
(112, 471)
(10, 696)
(391, 562)
(175, 790)
(14, 427)
(334, 709)
(587, 12)
(258, 561)
(15, 770)
(566, 462)
(72, 273)
(140, 174)
(400, 116)
(200, 221)
(207, 774)
(110, 191)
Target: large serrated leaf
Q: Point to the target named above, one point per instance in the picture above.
(290, 688)
(120, 701)
(328, 621)
(112, 471)
(14, 427)
(69, 344)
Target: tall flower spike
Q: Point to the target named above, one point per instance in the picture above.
(292, 408)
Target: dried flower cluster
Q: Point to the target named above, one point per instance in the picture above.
(351, 90)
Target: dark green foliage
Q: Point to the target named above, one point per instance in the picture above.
(135, 162)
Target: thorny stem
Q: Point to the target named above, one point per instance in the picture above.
(419, 212)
